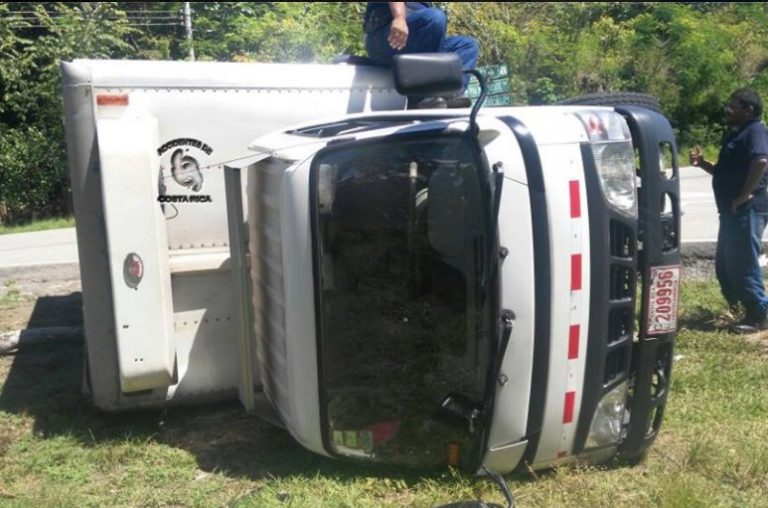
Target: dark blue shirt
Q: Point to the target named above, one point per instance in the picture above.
(377, 14)
(739, 149)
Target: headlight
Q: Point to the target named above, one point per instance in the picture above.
(607, 423)
(614, 156)
(616, 168)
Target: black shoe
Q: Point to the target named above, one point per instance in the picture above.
(460, 101)
(429, 103)
(748, 326)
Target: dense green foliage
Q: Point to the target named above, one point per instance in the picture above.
(689, 55)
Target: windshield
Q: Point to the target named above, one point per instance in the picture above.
(402, 242)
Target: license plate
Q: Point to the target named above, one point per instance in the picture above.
(663, 298)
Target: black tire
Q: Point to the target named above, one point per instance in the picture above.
(615, 99)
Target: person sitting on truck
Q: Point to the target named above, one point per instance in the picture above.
(739, 183)
(393, 28)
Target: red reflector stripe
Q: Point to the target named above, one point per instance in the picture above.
(570, 402)
(575, 200)
(112, 99)
(573, 342)
(576, 272)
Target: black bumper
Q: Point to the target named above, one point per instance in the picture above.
(628, 250)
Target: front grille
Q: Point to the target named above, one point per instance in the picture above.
(621, 283)
(621, 292)
(669, 236)
(622, 240)
(615, 365)
(619, 325)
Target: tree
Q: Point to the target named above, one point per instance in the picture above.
(34, 38)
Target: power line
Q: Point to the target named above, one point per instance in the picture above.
(126, 12)
(130, 25)
(112, 18)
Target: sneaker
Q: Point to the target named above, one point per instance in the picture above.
(748, 326)
(429, 103)
(460, 101)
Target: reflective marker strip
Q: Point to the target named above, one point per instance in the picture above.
(573, 342)
(575, 200)
(576, 272)
(570, 402)
(112, 99)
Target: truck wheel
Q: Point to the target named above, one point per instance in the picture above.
(615, 99)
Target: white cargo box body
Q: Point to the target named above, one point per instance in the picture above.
(147, 142)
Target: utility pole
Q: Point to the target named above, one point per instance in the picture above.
(188, 24)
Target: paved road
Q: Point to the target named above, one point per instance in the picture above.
(54, 247)
(699, 224)
(699, 221)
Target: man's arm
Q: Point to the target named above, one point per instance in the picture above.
(398, 33)
(757, 169)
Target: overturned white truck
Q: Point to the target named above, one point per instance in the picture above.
(492, 289)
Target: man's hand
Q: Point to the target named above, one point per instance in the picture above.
(398, 34)
(740, 200)
(694, 156)
(757, 168)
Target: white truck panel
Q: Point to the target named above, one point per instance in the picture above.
(551, 125)
(281, 253)
(300, 332)
(204, 325)
(570, 255)
(517, 294)
(143, 313)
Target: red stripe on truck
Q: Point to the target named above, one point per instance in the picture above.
(576, 272)
(575, 200)
(570, 402)
(573, 342)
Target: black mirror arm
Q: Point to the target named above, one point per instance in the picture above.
(479, 102)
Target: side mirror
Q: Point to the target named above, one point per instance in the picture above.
(428, 74)
(435, 74)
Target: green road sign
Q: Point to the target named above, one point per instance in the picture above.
(497, 82)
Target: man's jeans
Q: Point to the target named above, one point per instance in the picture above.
(736, 263)
(426, 34)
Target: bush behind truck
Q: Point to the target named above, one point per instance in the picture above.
(416, 288)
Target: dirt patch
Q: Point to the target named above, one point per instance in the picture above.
(39, 297)
(759, 339)
(698, 268)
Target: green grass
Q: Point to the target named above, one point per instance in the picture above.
(10, 294)
(42, 225)
(56, 450)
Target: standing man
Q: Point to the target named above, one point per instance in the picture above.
(393, 28)
(739, 184)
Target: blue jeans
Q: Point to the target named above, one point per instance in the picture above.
(426, 34)
(736, 261)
